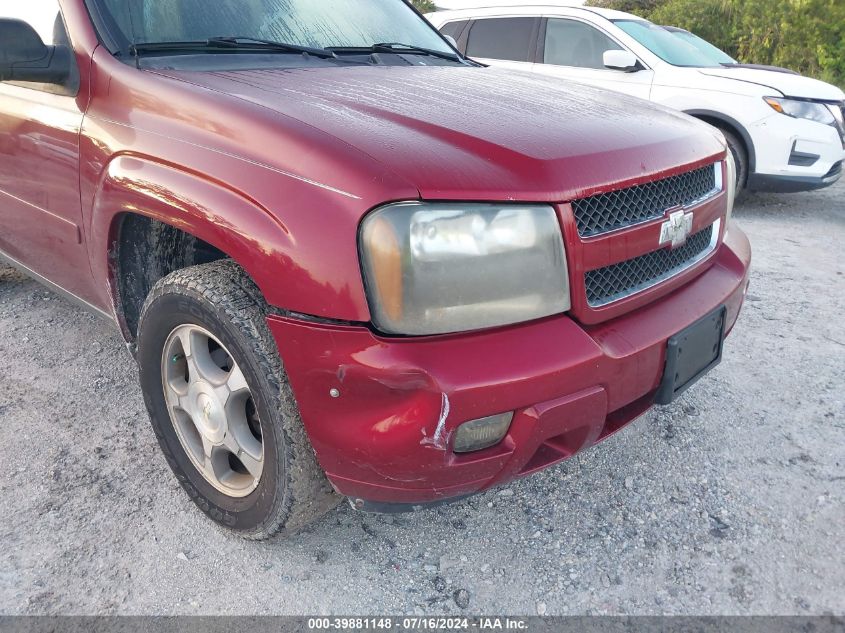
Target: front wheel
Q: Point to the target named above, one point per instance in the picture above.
(221, 406)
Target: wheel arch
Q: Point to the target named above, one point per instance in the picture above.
(173, 218)
(722, 120)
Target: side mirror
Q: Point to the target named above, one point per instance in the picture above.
(451, 40)
(621, 60)
(24, 57)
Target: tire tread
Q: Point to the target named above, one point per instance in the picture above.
(223, 284)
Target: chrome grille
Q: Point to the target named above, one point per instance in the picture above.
(617, 209)
(615, 282)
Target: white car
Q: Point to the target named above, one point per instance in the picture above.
(786, 131)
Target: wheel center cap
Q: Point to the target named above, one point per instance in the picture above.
(210, 417)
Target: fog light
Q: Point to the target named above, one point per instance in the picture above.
(482, 433)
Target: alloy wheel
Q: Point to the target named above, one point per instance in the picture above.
(212, 410)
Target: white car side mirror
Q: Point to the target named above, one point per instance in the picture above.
(621, 60)
(451, 40)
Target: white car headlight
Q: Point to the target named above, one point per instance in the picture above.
(799, 109)
(451, 267)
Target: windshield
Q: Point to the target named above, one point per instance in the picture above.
(666, 45)
(715, 54)
(312, 23)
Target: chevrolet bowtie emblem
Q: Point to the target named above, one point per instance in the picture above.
(676, 229)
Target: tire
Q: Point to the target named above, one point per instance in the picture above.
(740, 155)
(220, 300)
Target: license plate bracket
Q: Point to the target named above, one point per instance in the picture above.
(691, 353)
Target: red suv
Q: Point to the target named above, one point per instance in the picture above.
(350, 261)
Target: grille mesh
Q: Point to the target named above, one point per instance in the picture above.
(626, 278)
(618, 209)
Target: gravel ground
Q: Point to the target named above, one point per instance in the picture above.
(728, 502)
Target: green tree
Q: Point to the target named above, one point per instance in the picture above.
(424, 6)
(810, 39)
(638, 7)
(714, 20)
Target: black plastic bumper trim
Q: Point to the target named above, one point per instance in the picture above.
(792, 184)
(802, 159)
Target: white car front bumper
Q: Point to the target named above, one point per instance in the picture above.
(795, 154)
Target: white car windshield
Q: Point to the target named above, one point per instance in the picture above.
(666, 45)
(716, 54)
(310, 23)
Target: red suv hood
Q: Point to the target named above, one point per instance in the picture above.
(478, 133)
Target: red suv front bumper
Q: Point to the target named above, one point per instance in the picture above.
(381, 412)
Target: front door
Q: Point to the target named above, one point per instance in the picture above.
(574, 50)
(40, 208)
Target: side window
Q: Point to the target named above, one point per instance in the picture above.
(46, 18)
(573, 43)
(454, 29)
(509, 39)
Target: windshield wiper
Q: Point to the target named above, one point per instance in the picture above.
(252, 42)
(223, 44)
(397, 48)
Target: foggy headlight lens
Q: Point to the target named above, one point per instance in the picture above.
(802, 109)
(442, 267)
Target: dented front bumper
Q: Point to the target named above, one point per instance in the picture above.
(381, 412)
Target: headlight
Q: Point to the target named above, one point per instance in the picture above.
(451, 267)
(802, 109)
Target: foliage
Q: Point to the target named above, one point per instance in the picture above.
(804, 35)
(424, 6)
